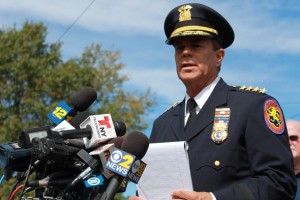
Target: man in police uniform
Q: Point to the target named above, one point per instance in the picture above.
(293, 128)
(238, 144)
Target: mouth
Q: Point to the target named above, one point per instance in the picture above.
(187, 65)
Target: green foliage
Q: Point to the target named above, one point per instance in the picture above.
(34, 78)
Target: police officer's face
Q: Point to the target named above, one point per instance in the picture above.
(294, 137)
(196, 60)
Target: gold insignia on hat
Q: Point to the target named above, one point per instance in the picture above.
(221, 123)
(185, 13)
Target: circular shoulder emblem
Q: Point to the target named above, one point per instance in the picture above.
(273, 116)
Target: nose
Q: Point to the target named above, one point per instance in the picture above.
(186, 51)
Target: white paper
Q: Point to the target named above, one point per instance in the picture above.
(167, 170)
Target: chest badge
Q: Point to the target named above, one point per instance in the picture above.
(220, 127)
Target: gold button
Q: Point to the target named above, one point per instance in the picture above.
(217, 163)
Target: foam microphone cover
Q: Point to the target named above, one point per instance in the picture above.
(120, 128)
(118, 141)
(135, 143)
(84, 98)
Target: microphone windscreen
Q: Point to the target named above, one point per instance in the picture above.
(118, 141)
(79, 118)
(135, 143)
(120, 128)
(84, 98)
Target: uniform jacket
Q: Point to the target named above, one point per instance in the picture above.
(252, 163)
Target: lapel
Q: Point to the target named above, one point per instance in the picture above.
(178, 121)
(206, 115)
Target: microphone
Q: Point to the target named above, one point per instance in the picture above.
(79, 118)
(67, 131)
(84, 98)
(58, 179)
(87, 172)
(26, 136)
(118, 141)
(95, 130)
(96, 126)
(134, 144)
(73, 124)
(92, 165)
(104, 153)
(81, 101)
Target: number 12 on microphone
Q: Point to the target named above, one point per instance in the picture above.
(61, 112)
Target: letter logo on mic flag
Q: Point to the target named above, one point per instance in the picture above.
(61, 112)
(126, 165)
(102, 128)
(104, 153)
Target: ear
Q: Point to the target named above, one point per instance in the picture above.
(219, 55)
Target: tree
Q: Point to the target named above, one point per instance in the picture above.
(34, 78)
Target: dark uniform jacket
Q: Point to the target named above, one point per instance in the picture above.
(254, 162)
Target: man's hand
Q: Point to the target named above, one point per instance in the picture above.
(135, 198)
(190, 195)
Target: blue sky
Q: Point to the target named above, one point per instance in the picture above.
(265, 53)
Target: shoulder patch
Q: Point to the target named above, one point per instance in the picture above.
(175, 104)
(251, 89)
(273, 116)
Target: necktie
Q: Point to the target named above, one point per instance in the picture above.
(191, 105)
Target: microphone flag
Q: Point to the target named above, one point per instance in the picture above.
(126, 165)
(102, 128)
(104, 153)
(61, 112)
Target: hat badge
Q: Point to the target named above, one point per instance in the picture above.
(185, 13)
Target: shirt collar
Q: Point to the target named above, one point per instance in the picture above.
(202, 96)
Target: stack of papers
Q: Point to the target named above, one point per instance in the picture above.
(167, 170)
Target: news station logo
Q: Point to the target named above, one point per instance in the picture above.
(61, 112)
(126, 165)
(102, 128)
(94, 181)
(104, 153)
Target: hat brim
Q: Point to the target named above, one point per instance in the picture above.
(189, 33)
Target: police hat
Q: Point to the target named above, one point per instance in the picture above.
(197, 20)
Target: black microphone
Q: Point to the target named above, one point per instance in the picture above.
(75, 123)
(88, 131)
(135, 143)
(81, 101)
(79, 118)
(57, 179)
(120, 126)
(74, 136)
(95, 130)
(118, 141)
(84, 98)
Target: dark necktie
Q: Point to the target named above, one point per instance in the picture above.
(191, 105)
